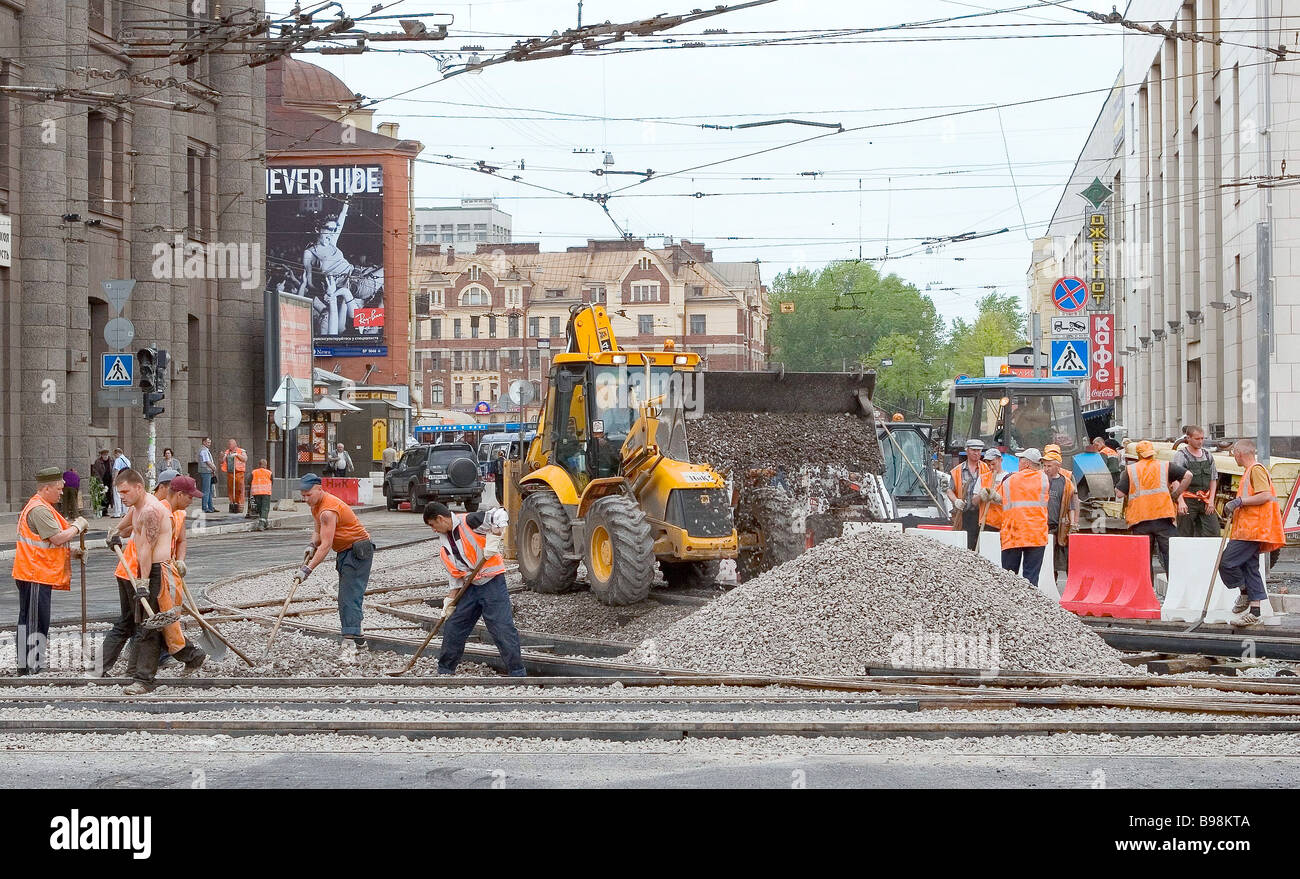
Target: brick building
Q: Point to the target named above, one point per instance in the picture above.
(479, 316)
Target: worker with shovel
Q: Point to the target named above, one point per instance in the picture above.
(141, 577)
(1256, 527)
(478, 585)
(42, 562)
(337, 527)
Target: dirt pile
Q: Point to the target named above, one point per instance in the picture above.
(739, 441)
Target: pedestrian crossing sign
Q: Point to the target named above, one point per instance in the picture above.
(118, 370)
(1069, 358)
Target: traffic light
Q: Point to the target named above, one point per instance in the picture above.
(152, 364)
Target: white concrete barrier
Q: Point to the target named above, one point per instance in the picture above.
(365, 492)
(851, 528)
(1190, 562)
(951, 538)
(991, 548)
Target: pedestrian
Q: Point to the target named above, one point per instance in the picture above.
(968, 478)
(70, 503)
(1062, 508)
(340, 462)
(463, 543)
(42, 563)
(992, 495)
(1256, 521)
(143, 575)
(1196, 516)
(120, 463)
(169, 461)
(207, 474)
(262, 495)
(102, 470)
(390, 456)
(335, 526)
(1150, 487)
(234, 462)
(1024, 517)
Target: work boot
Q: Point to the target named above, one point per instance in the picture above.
(139, 688)
(1242, 603)
(348, 654)
(196, 663)
(1245, 618)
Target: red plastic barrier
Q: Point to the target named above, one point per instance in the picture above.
(935, 527)
(1110, 576)
(342, 488)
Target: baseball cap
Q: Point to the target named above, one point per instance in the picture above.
(1145, 449)
(1032, 455)
(168, 475)
(992, 453)
(185, 485)
(1051, 447)
(308, 482)
(1052, 455)
(974, 443)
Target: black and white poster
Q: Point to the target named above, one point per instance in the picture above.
(324, 239)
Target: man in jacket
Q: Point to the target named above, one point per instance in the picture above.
(1196, 516)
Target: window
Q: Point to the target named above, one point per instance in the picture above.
(460, 394)
(474, 272)
(645, 324)
(198, 191)
(437, 298)
(422, 302)
(597, 294)
(455, 328)
(436, 332)
(458, 360)
(492, 358)
(419, 326)
(194, 358)
(534, 359)
(475, 296)
(556, 292)
(105, 166)
(513, 359)
(492, 326)
(556, 331)
(697, 325)
(645, 292)
(697, 291)
(514, 297)
(435, 394)
(435, 361)
(473, 327)
(101, 16)
(4, 127)
(512, 326)
(476, 361)
(534, 327)
(475, 392)
(99, 316)
(643, 264)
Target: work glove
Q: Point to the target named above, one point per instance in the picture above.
(114, 541)
(448, 608)
(959, 505)
(78, 553)
(178, 565)
(497, 519)
(308, 553)
(303, 573)
(141, 588)
(81, 524)
(1231, 506)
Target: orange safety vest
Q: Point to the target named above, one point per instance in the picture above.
(1024, 509)
(1148, 492)
(1262, 523)
(261, 482)
(37, 560)
(1108, 451)
(958, 487)
(993, 516)
(240, 466)
(472, 545)
(349, 528)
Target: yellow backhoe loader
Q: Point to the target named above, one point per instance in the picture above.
(608, 481)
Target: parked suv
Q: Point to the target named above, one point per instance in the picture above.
(444, 472)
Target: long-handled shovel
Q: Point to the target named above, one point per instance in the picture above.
(1214, 573)
(210, 632)
(85, 637)
(152, 620)
(284, 607)
(437, 627)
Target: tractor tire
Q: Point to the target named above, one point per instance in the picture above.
(544, 544)
(689, 575)
(620, 552)
(770, 512)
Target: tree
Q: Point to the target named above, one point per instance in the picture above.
(905, 375)
(998, 330)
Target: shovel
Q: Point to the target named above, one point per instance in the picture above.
(152, 620)
(437, 627)
(1214, 573)
(214, 643)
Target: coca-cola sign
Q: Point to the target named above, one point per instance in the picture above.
(1102, 368)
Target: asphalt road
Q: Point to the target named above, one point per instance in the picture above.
(209, 559)
(288, 769)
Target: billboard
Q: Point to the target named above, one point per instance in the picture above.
(1101, 372)
(324, 242)
(296, 343)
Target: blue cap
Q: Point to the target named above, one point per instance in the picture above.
(308, 481)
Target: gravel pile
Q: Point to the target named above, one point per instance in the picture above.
(881, 599)
(581, 616)
(738, 441)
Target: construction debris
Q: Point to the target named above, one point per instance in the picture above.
(881, 600)
(739, 441)
(578, 615)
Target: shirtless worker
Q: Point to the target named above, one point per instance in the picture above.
(149, 551)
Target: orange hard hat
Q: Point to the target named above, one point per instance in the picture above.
(898, 416)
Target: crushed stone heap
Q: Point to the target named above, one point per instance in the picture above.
(738, 441)
(883, 600)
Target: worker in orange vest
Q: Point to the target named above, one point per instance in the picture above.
(1256, 528)
(992, 494)
(234, 462)
(1150, 488)
(337, 527)
(1062, 507)
(968, 478)
(42, 563)
(1024, 517)
(262, 495)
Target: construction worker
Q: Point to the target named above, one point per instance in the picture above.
(1062, 507)
(1150, 488)
(464, 541)
(182, 490)
(605, 456)
(1256, 521)
(337, 527)
(42, 563)
(147, 558)
(1196, 516)
(261, 491)
(992, 495)
(1024, 517)
(234, 461)
(162, 489)
(968, 478)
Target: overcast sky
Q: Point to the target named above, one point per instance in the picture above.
(919, 178)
